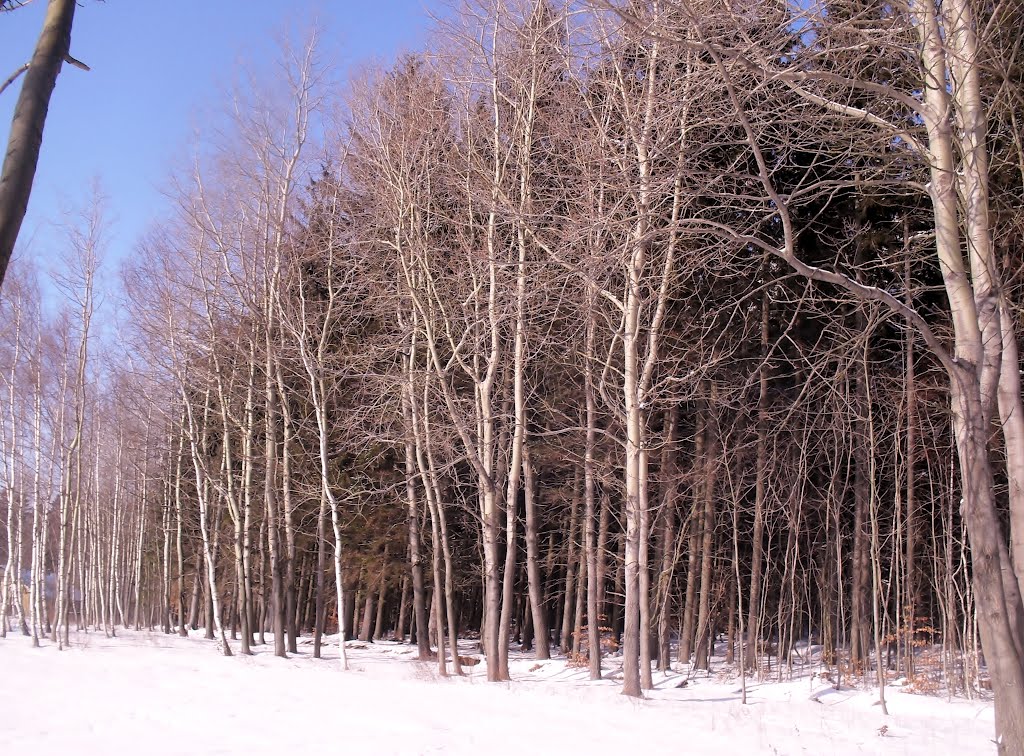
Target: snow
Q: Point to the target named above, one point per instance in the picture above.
(150, 693)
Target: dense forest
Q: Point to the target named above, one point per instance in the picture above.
(594, 328)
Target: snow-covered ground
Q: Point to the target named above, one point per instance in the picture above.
(155, 694)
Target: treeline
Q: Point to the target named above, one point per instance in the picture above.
(631, 325)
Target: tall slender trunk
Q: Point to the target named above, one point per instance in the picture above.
(320, 612)
(273, 520)
(193, 613)
(910, 560)
(508, 580)
(433, 486)
(198, 440)
(568, 598)
(861, 559)
(667, 550)
(593, 542)
(403, 609)
(876, 569)
(287, 508)
(419, 594)
(438, 601)
(695, 527)
(540, 622)
(704, 629)
(753, 628)
(231, 495)
(37, 598)
(11, 587)
(646, 680)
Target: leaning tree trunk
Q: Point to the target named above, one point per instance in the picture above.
(26, 137)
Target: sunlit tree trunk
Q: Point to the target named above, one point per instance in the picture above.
(26, 135)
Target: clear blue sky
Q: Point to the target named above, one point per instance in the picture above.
(156, 66)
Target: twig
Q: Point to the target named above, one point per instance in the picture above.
(6, 6)
(13, 77)
(76, 63)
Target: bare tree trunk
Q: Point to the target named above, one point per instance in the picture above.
(635, 436)
(434, 493)
(138, 565)
(378, 623)
(366, 625)
(593, 542)
(695, 527)
(419, 594)
(277, 604)
(861, 559)
(437, 603)
(288, 562)
(753, 628)
(179, 554)
(26, 136)
(320, 613)
(540, 622)
(508, 580)
(248, 463)
(704, 629)
(646, 680)
(568, 598)
(198, 443)
(193, 613)
(37, 597)
(403, 609)
(12, 461)
(910, 576)
(4, 596)
(667, 556)
(876, 569)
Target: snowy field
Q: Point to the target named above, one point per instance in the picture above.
(146, 693)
